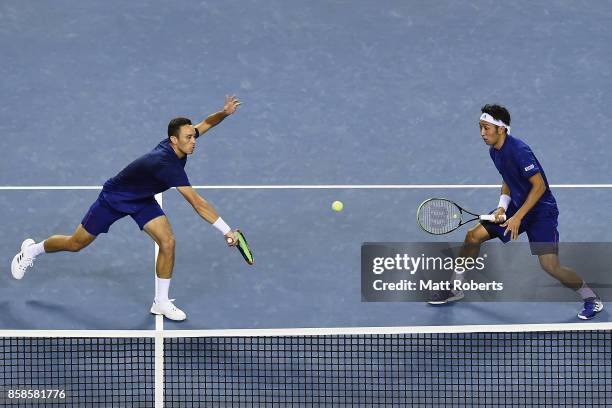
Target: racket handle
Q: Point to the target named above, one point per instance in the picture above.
(491, 217)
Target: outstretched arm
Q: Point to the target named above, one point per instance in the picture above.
(231, 103)
(206, 211)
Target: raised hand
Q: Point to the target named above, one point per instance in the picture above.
(231, 103)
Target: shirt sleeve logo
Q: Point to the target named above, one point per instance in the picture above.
(530, 167)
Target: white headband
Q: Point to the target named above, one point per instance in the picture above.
(490, 119)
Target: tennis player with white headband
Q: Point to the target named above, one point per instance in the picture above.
(528, 204)
(485, 117)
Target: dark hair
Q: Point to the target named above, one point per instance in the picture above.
(175, 125)
(498, 112)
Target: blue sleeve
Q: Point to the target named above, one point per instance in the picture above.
(173, 175)
(526, 161)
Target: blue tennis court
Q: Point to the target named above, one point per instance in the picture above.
(373, 105)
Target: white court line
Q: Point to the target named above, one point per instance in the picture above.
(318, 186)
(50, 187)
(346, 331)
(159, 369)
(159, 335)
(386, 186)
(113, 334)
(314, 331)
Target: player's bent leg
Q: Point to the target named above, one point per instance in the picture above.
(72, 243)
(470, 249)
(473, 239)
(477, 235)
(30, 249)
(568, 277)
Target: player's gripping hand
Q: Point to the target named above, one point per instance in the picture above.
(498, 215)
(231, 239)
(231, 103)
(512, 225)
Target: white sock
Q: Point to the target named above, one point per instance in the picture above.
(162, 287)
(34, 250)
(585, 292)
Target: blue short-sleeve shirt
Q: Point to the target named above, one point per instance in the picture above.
(516, 163)
(153, 173)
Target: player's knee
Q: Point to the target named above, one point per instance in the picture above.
(75, 245)
(472, 238)
(167, 244)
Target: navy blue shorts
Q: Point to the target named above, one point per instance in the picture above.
(102, 215)
(541, 230)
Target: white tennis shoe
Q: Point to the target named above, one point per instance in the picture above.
(21, 262)
(168, 309)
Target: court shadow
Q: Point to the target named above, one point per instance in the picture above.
(8, 319)
(75, 318)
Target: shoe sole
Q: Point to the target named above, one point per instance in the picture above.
(169, 318)
(14, 267)
(26, 243)
(449, 300)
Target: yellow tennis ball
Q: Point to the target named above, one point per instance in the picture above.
(454, 215)
(337, 206)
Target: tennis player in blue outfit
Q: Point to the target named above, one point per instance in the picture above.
(527, 203)
(131, 192)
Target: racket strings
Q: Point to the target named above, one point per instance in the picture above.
(439, 216)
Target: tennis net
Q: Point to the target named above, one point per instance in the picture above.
(455, 366)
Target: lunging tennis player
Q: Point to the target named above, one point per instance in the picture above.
(131, 192)
(529, 206)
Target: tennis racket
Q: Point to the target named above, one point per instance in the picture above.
(243, 247)
(440, 216)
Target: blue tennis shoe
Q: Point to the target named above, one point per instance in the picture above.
(445, 296)
(592, 306)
